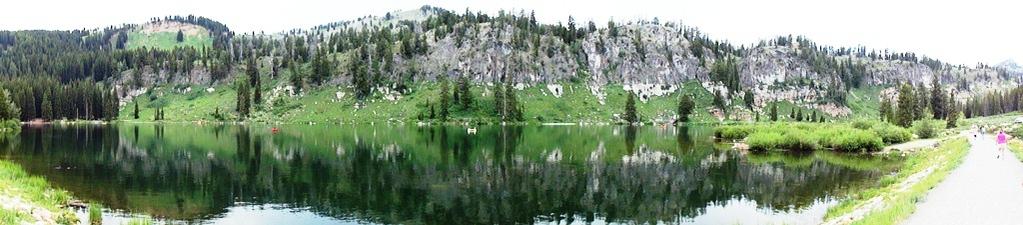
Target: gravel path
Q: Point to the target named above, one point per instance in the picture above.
(982, 190)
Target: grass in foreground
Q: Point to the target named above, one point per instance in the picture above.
(1016, 146)
(899, 204)
(16, 183)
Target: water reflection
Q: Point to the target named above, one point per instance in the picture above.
(436, 175)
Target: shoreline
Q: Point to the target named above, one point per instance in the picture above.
(26, 198)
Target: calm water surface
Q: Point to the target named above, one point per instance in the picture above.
(330, 174)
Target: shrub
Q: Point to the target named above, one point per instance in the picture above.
(892, 134)
(1015, 132)
(10, 126)
(856, 140)
(763, 141)
(863, 124)
(798, 140)
(924, 129)
(733, 131)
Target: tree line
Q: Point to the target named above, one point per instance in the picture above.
(918, 103)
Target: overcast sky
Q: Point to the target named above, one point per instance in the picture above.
(966, 32)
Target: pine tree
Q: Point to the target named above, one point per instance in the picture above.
(243, 103)
(360, 77)
(514, 109)
(456, 94)
(953, 112)
(749, 100)
(499, 102)
(813, 116)
(180, 37)
(135, 114)
(433, 110)
(463, 86)
(774, 111)
(885, 109)
(445, 99)
(906, 106)
(799, 115)
(922, 100)
(8, 110)
(111, 106)
(792, 113)
(297, 81)
(685, 107)
(47, 106)
(938, 102)
(253, 72)
(630, 109)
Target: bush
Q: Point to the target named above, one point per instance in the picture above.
(863, 124)
(733, 131)
(10, 126)
(763, 141)
(1015, 132)
(798, 140)
(856, 140)
(924, 129)
(892, 134)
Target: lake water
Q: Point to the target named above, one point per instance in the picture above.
(398, 174)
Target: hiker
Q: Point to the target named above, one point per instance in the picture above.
(1001, 140)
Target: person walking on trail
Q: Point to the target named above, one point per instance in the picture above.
(1001, 140)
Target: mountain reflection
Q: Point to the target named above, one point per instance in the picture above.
(429, 175)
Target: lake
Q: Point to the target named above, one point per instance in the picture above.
(402, 174)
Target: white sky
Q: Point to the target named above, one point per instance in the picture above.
(965, 32)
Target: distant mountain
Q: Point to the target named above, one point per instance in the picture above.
(1010, 65)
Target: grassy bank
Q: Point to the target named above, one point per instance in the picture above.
(24, 195)
(899, 193)
(1017, 148)
(859, 136)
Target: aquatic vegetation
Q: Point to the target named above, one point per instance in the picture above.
(95, 214)
(846, 137)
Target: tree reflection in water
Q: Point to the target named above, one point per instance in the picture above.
(429, 175)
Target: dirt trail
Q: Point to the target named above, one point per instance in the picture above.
(982, 190)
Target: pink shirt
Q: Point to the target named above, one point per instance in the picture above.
(1001, 138)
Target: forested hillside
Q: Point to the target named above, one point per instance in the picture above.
(431, 64)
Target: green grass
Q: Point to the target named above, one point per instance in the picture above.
(865, 102)
(140, 221)
(95, 214)
(166, 40)
(1016, 146)
(16, 183)
(898, 205)
(991, 120)
(12, 217)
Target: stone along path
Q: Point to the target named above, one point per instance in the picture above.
(982, 190)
